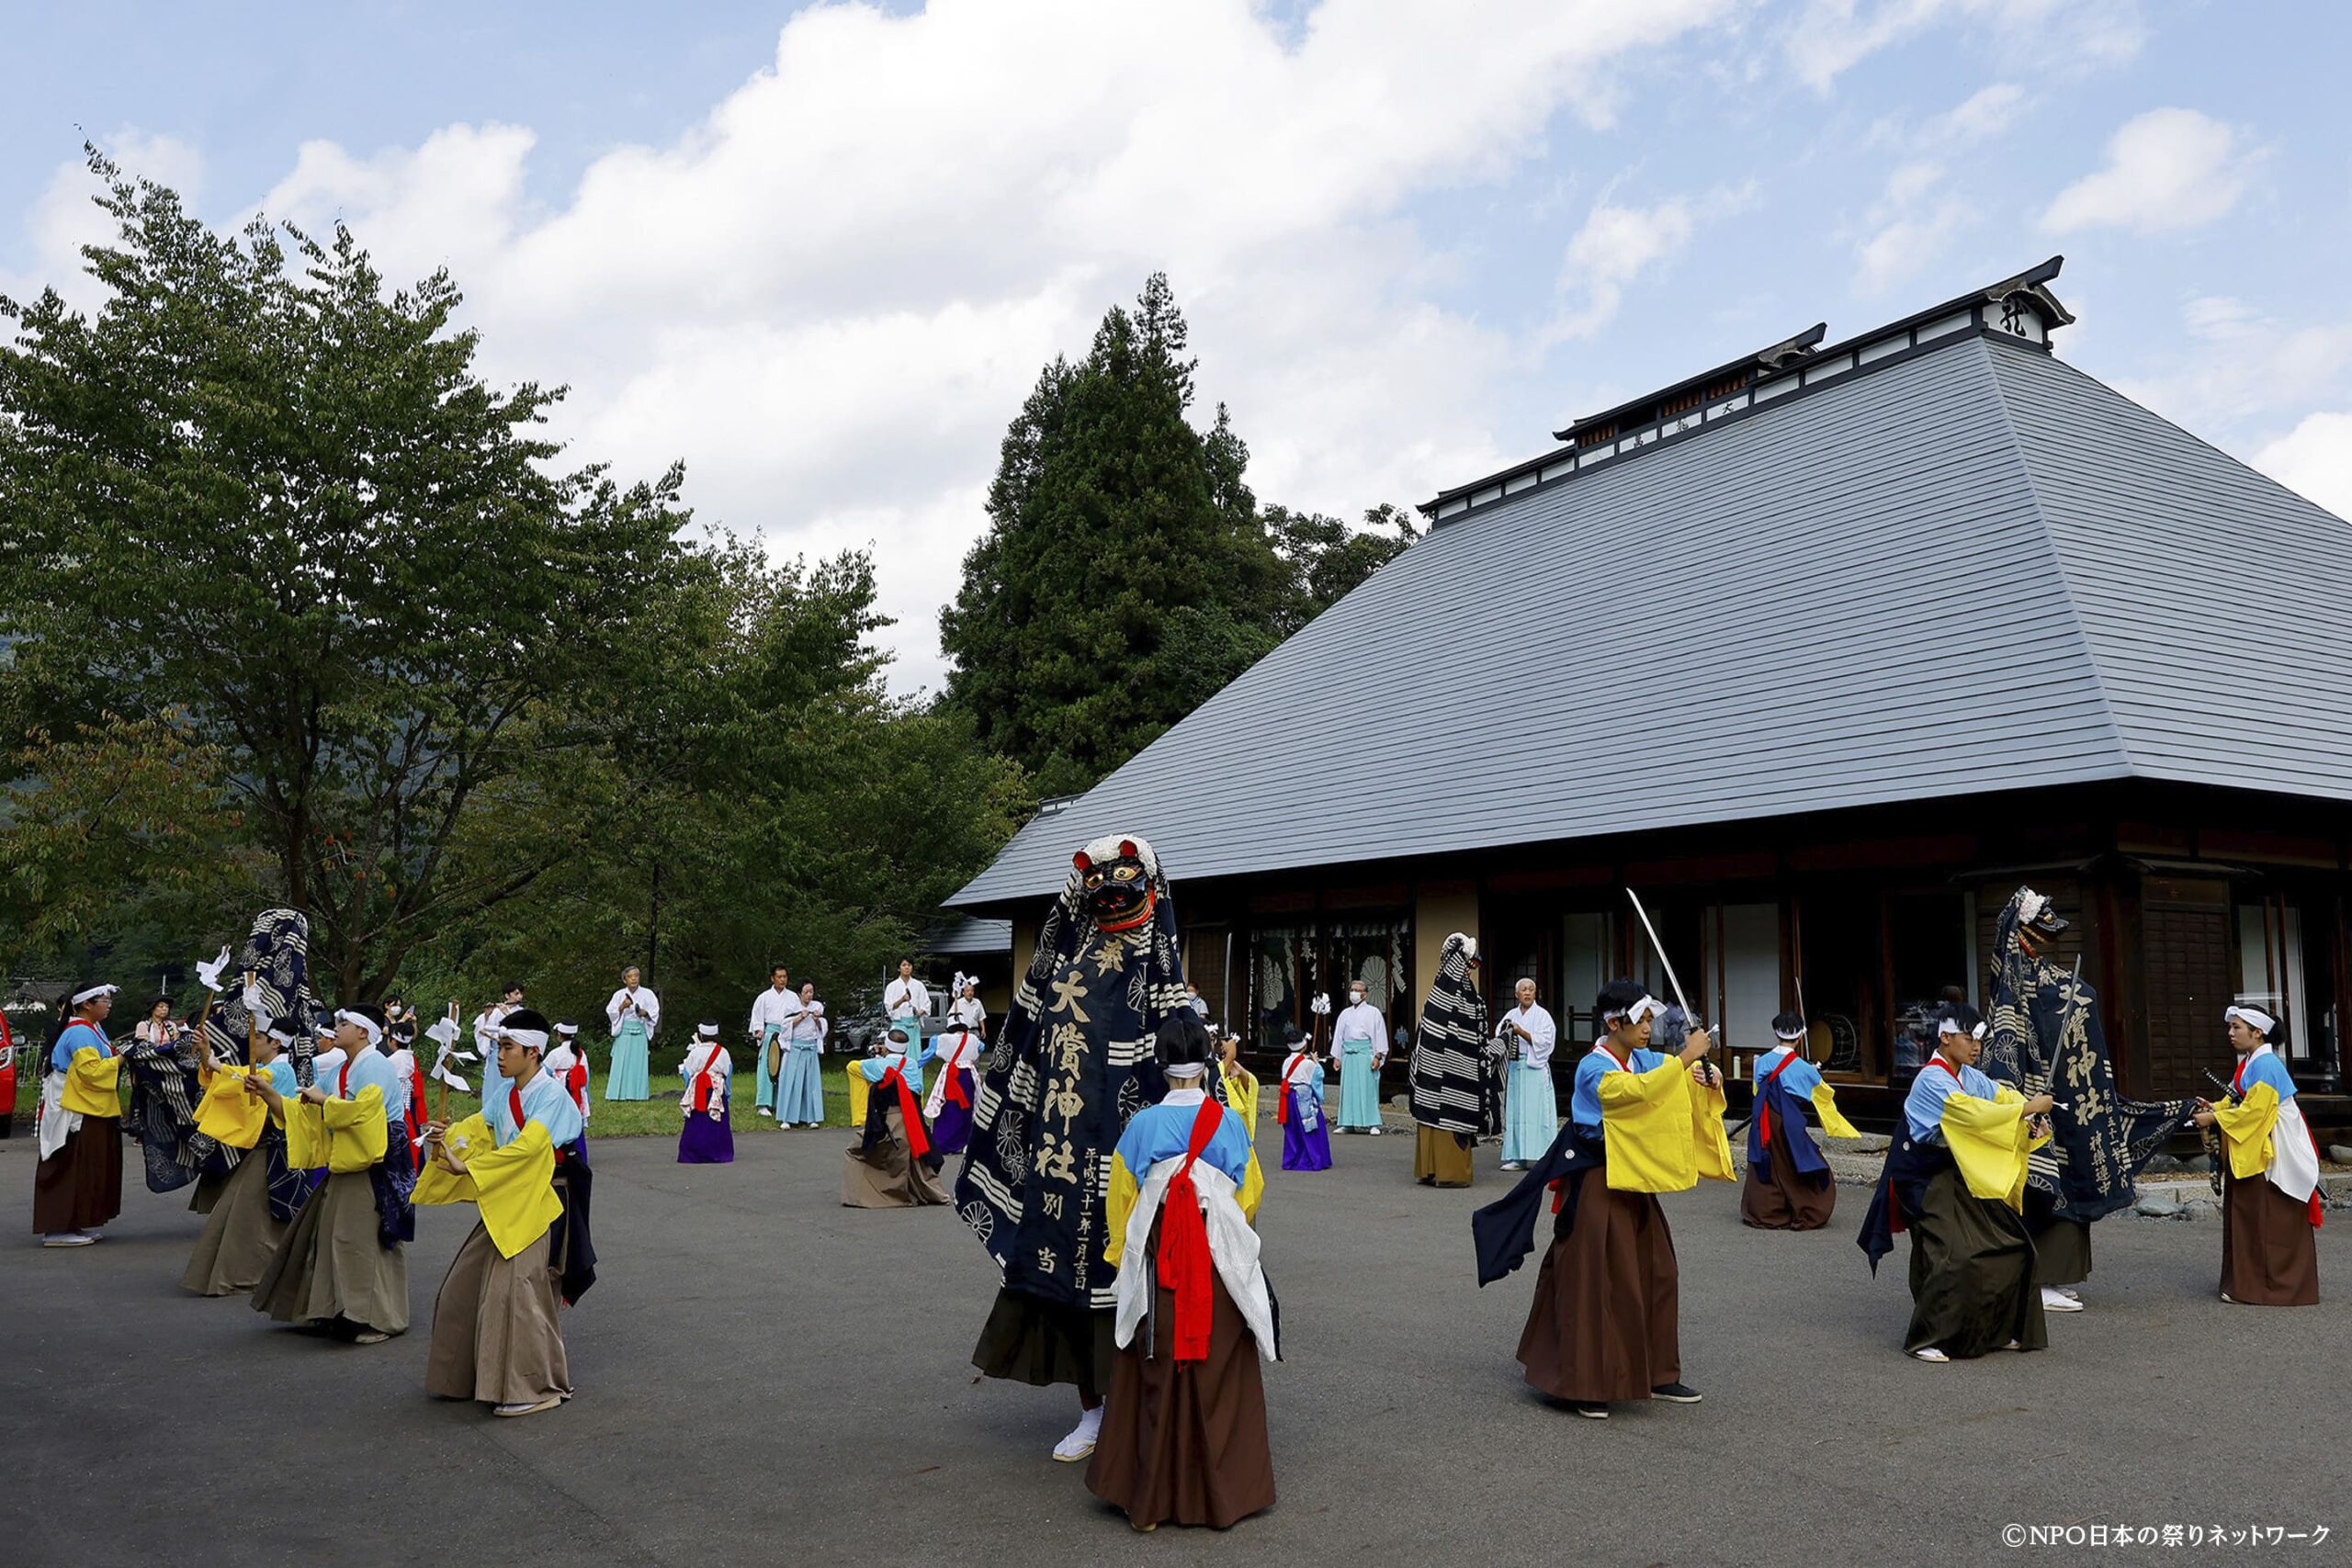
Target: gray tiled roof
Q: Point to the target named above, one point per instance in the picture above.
(1976, 568)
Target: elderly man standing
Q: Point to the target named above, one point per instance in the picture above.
(907, 1000)
(1360, 1038)
(771, 1010)
(1531, 1112)
(634, 1012)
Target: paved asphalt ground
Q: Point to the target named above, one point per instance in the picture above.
(767, 1377)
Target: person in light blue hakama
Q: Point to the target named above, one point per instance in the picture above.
(907, 1001)
(1360, 1036)
(634, 1013)
(1530, 1109)
(800, 1085)
(771, 1010)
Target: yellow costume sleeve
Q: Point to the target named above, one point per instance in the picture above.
(2245, 1129)
(515, 1186)
(307, 1145)
(92, 1084)
(858, 1090)
(1119, 1203)
(1253, 1189)
(1241, 1089)
(227, 1113)
(1709, 1140)
(1648, 1129)
(357, 1135)
(436, 1186)
(1989, 1143)
(1833, 1121)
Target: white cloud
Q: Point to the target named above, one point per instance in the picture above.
(1911, 226)
(2316, 458)
(1829, 38)
(2166, 169)
(1618, 244)
(64, 217)
(1985, 113)
(2247, 366)
(831, 295)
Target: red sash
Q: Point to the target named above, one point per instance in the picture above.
(1763, 1106)
(343, 1080)
(703, 1079)
(955, 1089)
(918, 1142)
(2237, 1079)
(1282, 1101)
(1185, 1265)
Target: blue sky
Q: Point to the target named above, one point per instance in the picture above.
(822, 252)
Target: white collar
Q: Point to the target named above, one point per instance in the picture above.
(1184, 1097)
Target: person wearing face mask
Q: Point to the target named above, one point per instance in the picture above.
(1531, 1112)
(1605, 1323)
(1360, 1040)
(1956, 1179)
(2270, 1203)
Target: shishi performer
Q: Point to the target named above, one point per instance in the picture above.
(1071, 1064)
(1456, 1072)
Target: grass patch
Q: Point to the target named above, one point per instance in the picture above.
(661, 1116)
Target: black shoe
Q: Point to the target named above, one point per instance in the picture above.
(1593, 1409)
(1675, 1394)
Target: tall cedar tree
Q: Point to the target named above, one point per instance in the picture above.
(1125, 575)
(259, 500)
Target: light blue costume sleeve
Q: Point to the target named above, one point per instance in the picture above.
(77, 1035)
(281, 1077)
(546, 1101)
(372, 1066)
(1229, 1149)
(2269, 1070)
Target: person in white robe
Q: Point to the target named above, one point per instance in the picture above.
(770, 1009)
(800, 1079)
(634, 1013)
(1360, 1040)
(1530, 1108)
(907, 1002)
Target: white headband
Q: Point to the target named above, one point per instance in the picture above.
(1949, 1026)
(2255, 1018)
(367, 1026)
(93, 993)
(1648, 1007)
(567, 1030)
(1788, 1034)
(707, 1031)
(529, 1039)
(1185, 1069)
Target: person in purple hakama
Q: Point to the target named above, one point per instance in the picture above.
(949, 1104)
(1306, 1136)
(707, 1138)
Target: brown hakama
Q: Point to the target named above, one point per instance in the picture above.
(891, 1177)
(496, 1336)
(1604, 1326)
(1186, 1445)
(1032, 1340)
(330, 1266)
(240, 1237)
(1777, 1196)
(1972, 1274)
(2269, 1251)
(79, 1187)
(1441, 1158)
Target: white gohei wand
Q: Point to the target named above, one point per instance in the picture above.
(445, 1034)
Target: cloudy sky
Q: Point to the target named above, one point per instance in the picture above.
(822, 252)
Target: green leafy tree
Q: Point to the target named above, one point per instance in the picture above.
(259, 493)
(1127, 573)
(1109, 515)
